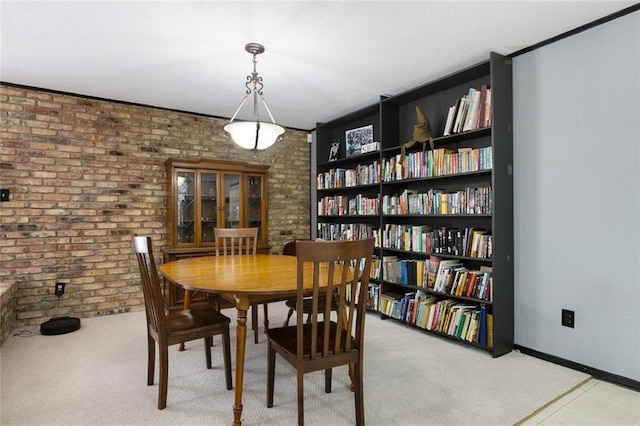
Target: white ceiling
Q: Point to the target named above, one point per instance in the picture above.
(322, 60)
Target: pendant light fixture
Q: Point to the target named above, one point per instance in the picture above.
(254, 135)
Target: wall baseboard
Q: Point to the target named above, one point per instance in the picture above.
(598, 374)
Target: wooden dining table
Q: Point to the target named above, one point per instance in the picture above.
(247, 279)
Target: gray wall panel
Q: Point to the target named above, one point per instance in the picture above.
(577, 196)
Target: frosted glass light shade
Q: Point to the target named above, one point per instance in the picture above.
(246, 133)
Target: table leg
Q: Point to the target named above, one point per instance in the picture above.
(344, 323)
(241, 337)
(186, 305)
(352, 387)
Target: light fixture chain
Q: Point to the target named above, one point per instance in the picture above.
(254, 79)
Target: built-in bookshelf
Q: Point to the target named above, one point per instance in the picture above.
(442, 215)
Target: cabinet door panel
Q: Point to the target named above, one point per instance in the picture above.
(185, 209)
(208, 206)
(232, 197)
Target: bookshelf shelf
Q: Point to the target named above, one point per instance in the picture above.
(373, 186)
(474, 183)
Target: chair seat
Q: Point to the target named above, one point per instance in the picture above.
(286, 338)
(190, 321)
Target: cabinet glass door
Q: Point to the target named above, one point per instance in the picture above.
(254, 203)
(186, 207)
(208, 206)
(232, 193)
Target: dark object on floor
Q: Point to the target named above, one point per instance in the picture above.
(59, 325)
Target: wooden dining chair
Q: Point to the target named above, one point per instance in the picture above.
(332, 342)
(170, 328)
(230, 241)
(289, 249)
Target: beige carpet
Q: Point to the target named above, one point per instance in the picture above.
(97, 376)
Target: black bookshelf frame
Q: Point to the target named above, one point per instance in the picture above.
(393, 119)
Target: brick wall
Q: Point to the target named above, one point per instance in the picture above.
(7, 309)
(86, 174)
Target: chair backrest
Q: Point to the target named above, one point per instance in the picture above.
(236, 241)
(153, 301)
(289, 249)
(349, 263)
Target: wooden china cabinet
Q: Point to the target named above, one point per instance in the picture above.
(207, 194)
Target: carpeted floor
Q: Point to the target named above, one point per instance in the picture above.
(97, 376)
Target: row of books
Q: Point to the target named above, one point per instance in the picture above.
(362, 174)
(438, 201)
(376, 262)
(347, 231)
(467, 242)
(437, 162)
(364, 205)
(395, 305)
(404, 271)
(341, 205)
(469, 322)
(373, 295)
(414, 165)
(446, 277)
(455, 279)
(415, 238)
(472, 111)
(409, 202)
